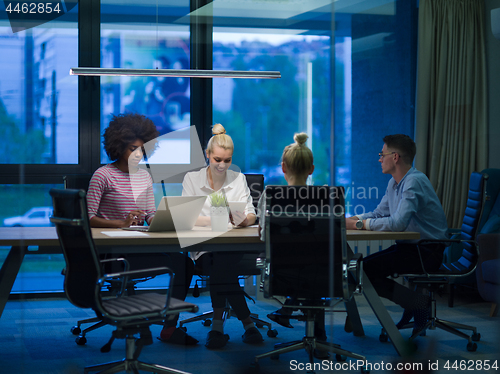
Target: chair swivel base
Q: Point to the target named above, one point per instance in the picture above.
(449, 326)
(310, 343)
(76, 330)
(131, 364)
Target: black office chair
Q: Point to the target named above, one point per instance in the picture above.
(81, 182)
(256, 185)
(132, 315)
(464, 266)
(307, 259)
(77, 181)
(492, 191)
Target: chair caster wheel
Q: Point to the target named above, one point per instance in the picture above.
(259, 325)
(471, 347)
(254, 367)
(207, 322)
(183, 328)
(81, 340)
(383, 337)
(274, 357)
(340, 358)
(476, 337)
(75, 330)
(272, 333)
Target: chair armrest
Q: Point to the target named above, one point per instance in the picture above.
(452, 232)
(139, 273)
(444, 241)
(124, 275)
(126, 268)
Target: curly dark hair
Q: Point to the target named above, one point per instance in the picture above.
(124, 129)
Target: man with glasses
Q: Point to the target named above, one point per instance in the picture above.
(409, 204)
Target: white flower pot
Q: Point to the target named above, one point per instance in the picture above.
(219, 217)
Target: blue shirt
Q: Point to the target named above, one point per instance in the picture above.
(410, 205)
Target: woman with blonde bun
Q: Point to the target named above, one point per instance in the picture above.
(297, 163)
(223, 267)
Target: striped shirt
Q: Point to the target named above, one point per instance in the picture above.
(113, 194)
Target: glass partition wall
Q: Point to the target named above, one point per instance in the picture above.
(348, 79)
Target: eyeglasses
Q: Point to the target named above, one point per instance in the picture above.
(382, 155)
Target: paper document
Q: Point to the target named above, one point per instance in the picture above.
(122, 233)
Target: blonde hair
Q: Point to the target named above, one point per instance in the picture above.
(219, 139)
(297, 157)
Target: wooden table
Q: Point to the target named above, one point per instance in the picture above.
(244, 239)
(47, 237)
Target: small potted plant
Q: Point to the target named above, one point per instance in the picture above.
(219, 211)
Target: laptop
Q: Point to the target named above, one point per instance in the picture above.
(174, 213)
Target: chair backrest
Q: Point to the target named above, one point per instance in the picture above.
(77, 181)
(73, 229)
(492, 203)
(470, 225)
(256, 184)
(305, 242)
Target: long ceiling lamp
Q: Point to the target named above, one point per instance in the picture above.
(188, 73)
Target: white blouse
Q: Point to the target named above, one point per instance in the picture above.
(235, 188)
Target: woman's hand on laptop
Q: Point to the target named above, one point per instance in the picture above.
(134, 218)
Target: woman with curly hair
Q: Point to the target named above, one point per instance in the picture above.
(120, 194)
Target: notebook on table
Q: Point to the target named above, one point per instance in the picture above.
(174, 213)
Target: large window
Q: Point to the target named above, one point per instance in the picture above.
(147, 36)
(143, 36)
(375, 59)
(374, 82)
(38, 125)
(263, 115)
(38, 97)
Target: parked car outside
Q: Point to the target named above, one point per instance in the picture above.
(38, 216)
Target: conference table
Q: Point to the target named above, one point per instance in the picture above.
(44, 240)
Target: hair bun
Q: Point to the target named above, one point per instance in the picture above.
(218, 129)
(300, 138)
